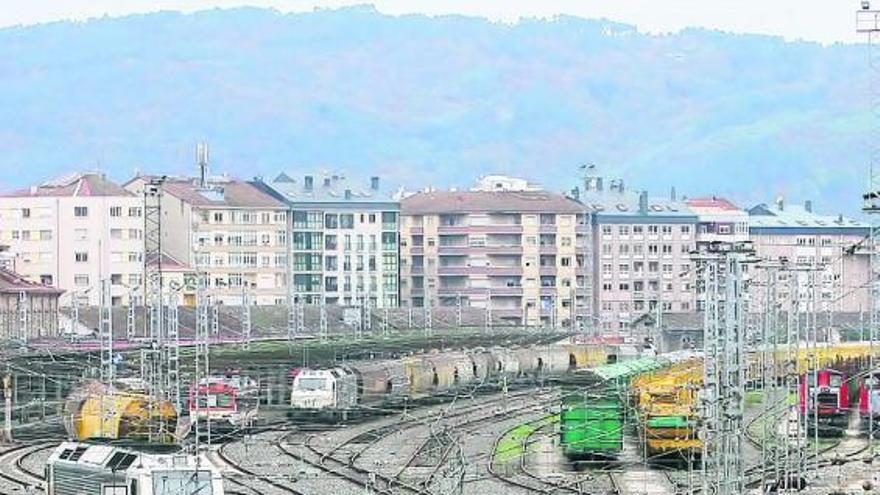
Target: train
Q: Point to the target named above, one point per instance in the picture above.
(869, 402)
(99, 412)
(824, 398)
(365, 388)
(76, 468)
(593, 408)
(666, 402)
(228, 402)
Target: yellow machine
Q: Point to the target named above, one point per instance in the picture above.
(98, 412)
(781, 360)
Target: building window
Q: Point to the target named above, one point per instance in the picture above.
(346, 221)
(81, 280)
(116, 278)
(724, 229)
(115, 211)
(606, 230)
(331, 221)
(666, 230)
(134, 212)
(638, 230)
(685, 229)
(45, 235)
(81, 257)
(26, 213)
(331, 263)
(389, 220)
(565, 261)
(330, 242)
(218, 217)
(372, 218)
(46, 279)
(116, 233)
(653, 229)
(80, 211)
(389, 241)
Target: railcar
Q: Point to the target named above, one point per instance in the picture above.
(229, 402)
(100, 412)
(88, 469)
(869, 402)
(594, 402)
(666, 403)
(824, 397)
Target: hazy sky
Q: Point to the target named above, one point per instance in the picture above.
(818, 20)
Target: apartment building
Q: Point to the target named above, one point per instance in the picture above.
(827, 263)
(72, 233)
(641, 253)
(719, 221)
(227, 228)
(514, 251)
(344, 238)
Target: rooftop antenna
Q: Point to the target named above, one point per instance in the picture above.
(202, 161)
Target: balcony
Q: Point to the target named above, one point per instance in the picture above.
(454, 270)
(510, 228)
(547, 249)
(416, 230)
(547, 270)
(503, 249)
(454, 250)
(417, 250)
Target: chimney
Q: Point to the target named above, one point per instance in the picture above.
(672, 195)
(374, 183)
(576, 193)
(780, 203)
(310, 183)
(348, 194)
(643, 202)
(620, 186)
(808, 205)
(599, 184)
(326, 181)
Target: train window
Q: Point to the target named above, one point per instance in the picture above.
(77, 454)
(835, 380)
(120, 461)
(811, 379)
(65, 454)
(311, 383)
(224, 400)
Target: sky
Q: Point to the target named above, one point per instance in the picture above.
(824, 21)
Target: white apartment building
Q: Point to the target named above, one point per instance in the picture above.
(74, 232)
(344, 238)
(229, 229)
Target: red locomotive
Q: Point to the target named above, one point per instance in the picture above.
(229, 403)
(869, 401)
(825, 399)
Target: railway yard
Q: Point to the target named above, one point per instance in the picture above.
(543, 414)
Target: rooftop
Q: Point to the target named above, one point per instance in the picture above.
(713, 203)
(88, 184)
(218, 192)
(13, 283)
(329, 187)
(783, 216)
(484, 201)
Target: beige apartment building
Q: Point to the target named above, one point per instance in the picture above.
(73, 232)
(514, 251)
(823, 261)
(230, 230)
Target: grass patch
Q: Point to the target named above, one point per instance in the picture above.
(512, 445)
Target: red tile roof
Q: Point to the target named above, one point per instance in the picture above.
(713, 202)
(483, 201)
(13, 283)
(79, 185)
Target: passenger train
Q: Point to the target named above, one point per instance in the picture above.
(81, 468)
(370, 387)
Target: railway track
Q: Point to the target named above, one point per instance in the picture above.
(13, 470)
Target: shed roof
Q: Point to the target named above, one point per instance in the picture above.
(485, 201)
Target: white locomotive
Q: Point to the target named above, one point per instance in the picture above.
(88, 469)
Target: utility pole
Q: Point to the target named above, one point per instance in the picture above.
(724, 366)
(105, 333)
(7, 410)
(868, 23)
(245, 317)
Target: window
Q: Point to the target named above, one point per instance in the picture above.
(606, 230)
(638, 230)
(346, 244)
(115, 211)
(666, 230)
(280, 238)
(360, 263)
(389, 241)
(346, 221)
(80, 211)
(623, 230)
(46, 279)
(134, 233)
(606, 249)
(218, 217)
(134, 257)
(653, 229)
(116, 278)
(389, 220)
(724, 229)
(81, 280)
(624, 287)
(331, 284)
(331, 263)
(360, 242)
(346, 263)
(45, 235)
(26, 213)
(389, 262)
(116, 233)
(330, 242)
(134, 212)
(667, 268)
(638, 249)
(373, 244)
(685, 229)
(81, 257)
(25, 235)
(652, 248)
(565, 261)
(331, 221)
(565, 241)
(667, 249)
(606, 268)
(372, 218)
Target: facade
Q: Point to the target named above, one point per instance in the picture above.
(825, 252)
(719, 221)
(344, 239)
(514, 251)
(28, 310)
(74, 232)
(641, 253)
(227, 228)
